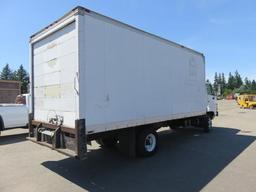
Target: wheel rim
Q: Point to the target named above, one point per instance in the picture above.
(150, 142)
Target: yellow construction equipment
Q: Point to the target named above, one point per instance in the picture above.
(247, 101)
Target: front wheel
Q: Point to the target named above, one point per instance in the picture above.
(147, 142)
(206, 124)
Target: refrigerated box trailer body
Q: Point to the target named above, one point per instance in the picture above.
(86, 66)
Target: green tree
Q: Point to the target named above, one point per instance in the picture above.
(215, 82)
(219, 78)
(247, 83)
(6, 73)
(227, 92)
(220, 83)
(242, 89)
(238, 80)
(22, 75)
(231, 82)
(223, 80)
(253, 86)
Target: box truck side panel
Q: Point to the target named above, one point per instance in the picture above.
(133, 78)
(55, 76)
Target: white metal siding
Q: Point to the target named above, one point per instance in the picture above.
(133, 78)
(125, 77)
(55, 72)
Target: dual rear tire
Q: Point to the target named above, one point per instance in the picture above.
(146, 143)
(1, 124)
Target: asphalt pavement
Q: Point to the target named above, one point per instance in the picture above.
(187, 160)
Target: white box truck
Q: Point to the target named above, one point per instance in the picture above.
(95, 78)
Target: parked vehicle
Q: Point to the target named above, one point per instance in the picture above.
(212, 107)
(13, 115)
(24, 99)
(230, 97)
(95, 78)
(16, 114)
(247, 101)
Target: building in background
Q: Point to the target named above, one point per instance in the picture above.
(9, 90)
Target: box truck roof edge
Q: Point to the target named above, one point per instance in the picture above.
(82, 10)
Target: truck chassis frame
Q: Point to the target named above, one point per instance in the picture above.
(127, 137)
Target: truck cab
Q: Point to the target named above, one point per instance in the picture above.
(16, 114)
(13, 115)
(212, 105)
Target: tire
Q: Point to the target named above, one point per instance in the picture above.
(211, 115)
(1, 124)
(206, 124)
(147, 142)
(108, 142)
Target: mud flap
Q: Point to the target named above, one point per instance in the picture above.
(30, 126)
(81, 141)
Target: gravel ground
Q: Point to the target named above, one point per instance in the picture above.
(187, 160)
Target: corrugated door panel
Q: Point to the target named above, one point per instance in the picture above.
(55, 69)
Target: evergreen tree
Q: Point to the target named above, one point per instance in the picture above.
(220, 83)
(253, 86)
(215, 83)
(234, 83)
(219, 79)
(22, 75)
(6, 73)
(223, 80)
(238, 80)
(231, 81)
(247, 83)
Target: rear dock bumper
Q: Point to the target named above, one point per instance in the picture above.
(66, 140)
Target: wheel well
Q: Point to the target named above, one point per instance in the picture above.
(210, 114)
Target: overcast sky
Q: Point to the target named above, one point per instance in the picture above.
(224, 30)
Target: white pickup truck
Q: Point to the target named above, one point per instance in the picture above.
(14, 115)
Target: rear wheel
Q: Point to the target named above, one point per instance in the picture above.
(1, 124)
(147, 142)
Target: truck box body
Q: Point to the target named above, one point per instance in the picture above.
(88, 66)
